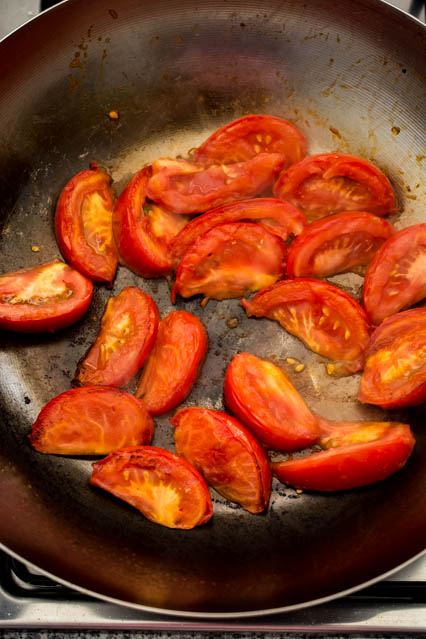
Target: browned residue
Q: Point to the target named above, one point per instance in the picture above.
(335, 132)
(113, 13)
(76, 62)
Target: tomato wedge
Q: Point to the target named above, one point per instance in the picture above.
(94, 420)
(246, 137)
(396, 278)
(161, 485)
(261, 396)
(83, 224)
(359, 453)
(174, 363)
(333, 182)
(229, 457)
(395, 368)
(143, 239)
(183, 187)
(128, 331)
(281, 218)
(229, 261)
(43, 298)
(328, 320)
(336, 244)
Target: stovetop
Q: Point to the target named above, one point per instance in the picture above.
(29, 599)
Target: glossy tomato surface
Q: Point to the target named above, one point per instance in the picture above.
(83, 224)
(161, 485)
(281, 218)
(333, 182)
(43, 298)
(329, 321)
(93, 420)
(395, 367)
(337, 243)
(358, 454)
(396, 278)
(229, 457)
(174, 362)
(143, 237)
(248, 136)
(128, 331)
(229, 261)
(261, 396)
(183, 187)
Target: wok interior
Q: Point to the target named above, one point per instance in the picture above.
(175, 71)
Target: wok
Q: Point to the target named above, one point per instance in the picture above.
(349, 75)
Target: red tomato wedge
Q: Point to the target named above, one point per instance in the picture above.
(229, 261)
(91, 421)
(328, 320)
(281, 218)
(128, 331)
(43, 298)
(83, 224)
(396, 278)
(395, 368)
(174, 363)
(263, 399)
(142, 238)
(183, 187)
(161, 485)
(359, 453)
(248, 136)
(229, 457)
(336, 244)
(334, 182)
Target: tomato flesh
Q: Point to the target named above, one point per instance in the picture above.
(281, 218)
(336, 244)
(395, 368)
(358, 454)
(229, 261)
(161, 485)
(183, 187)
(83, 224)
(91, 421)
(43, 298)
(143, 239)
(229, 457)
(328, 320)
(174, 363)
(396, 278)
(260, 395)
(332, 182)
(248, 136)
(128, 331)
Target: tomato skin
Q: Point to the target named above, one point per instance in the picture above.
(183, 187)
(87, 246)
(143, 240)
(174, 362)
(246, 137)
(71, 294)
(128, 331)
(330, 322)
(370, 458)
(230, 458)
(281, 218)
(263, 399)
(93, 420)
(395, 370)
(161, 485)
(333, 182)
(392, 281)
(336, 244)
(229, 261)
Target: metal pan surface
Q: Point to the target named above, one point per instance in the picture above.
(349, 74)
